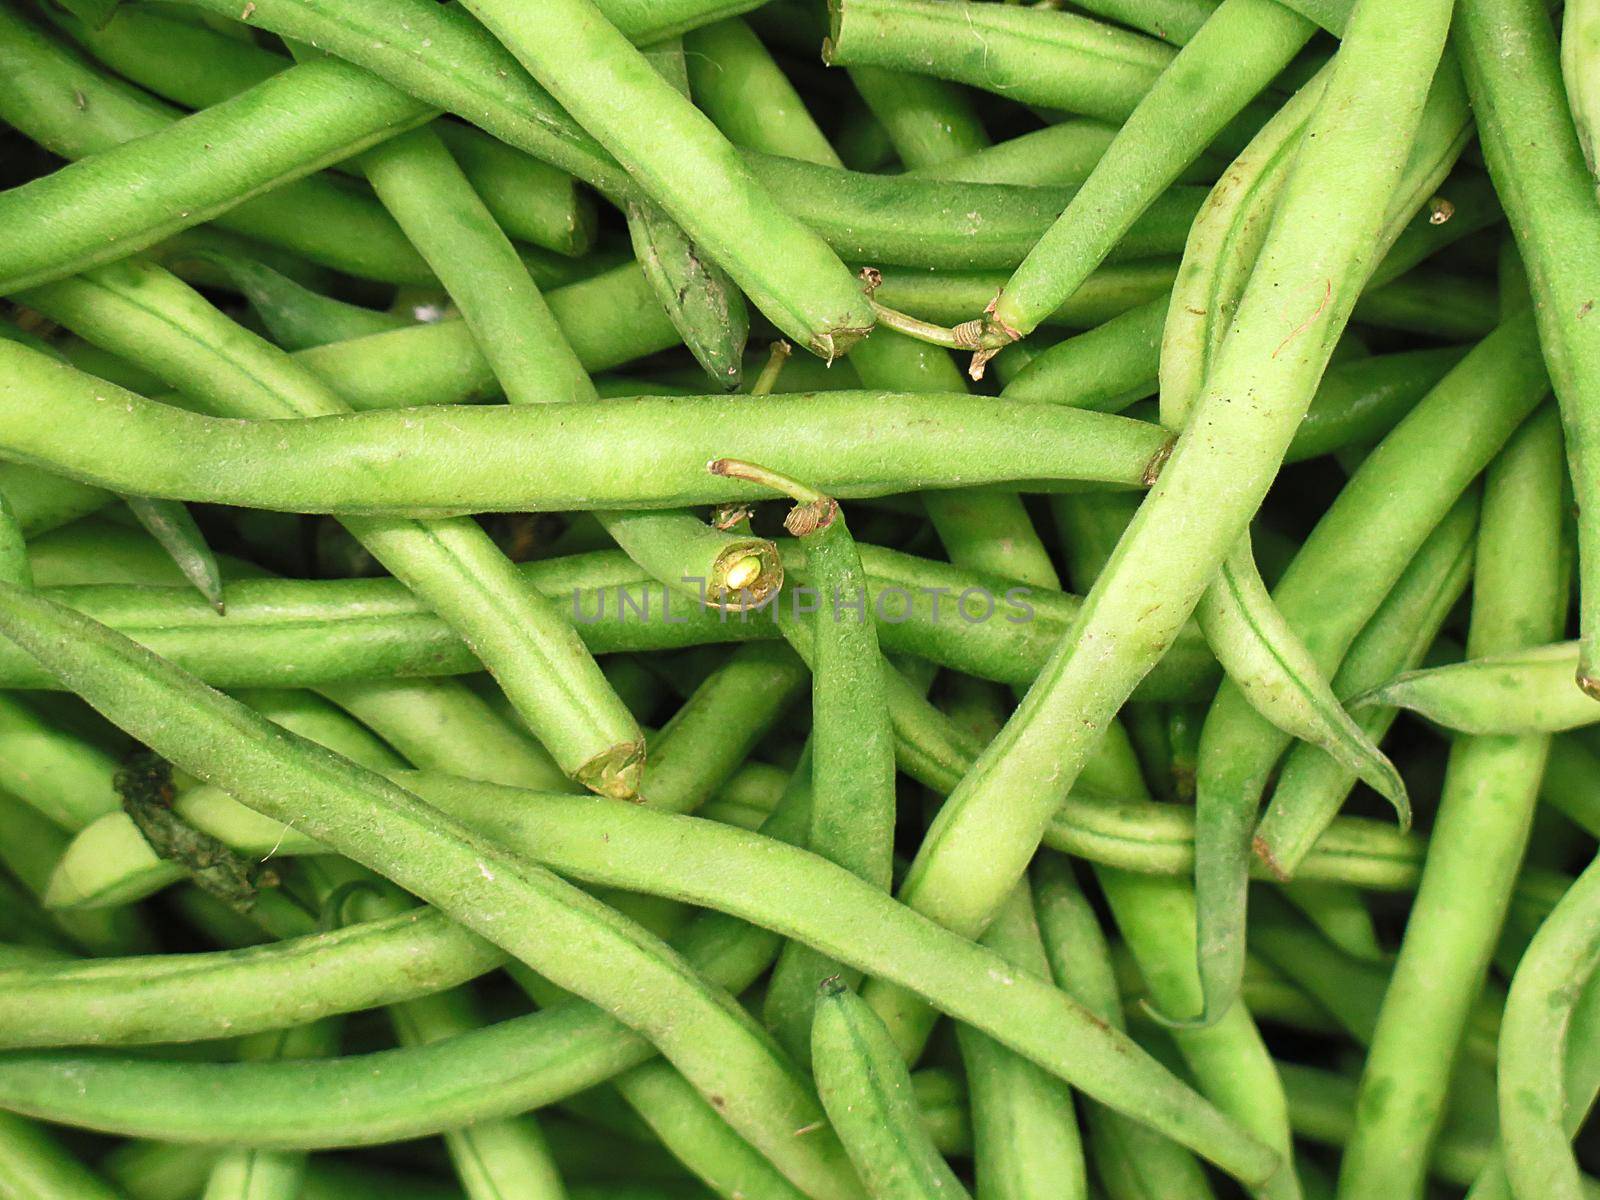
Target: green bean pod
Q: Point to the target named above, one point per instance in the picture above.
(608, 86)
(1174, 21)
(34, 1167)
(1537, 1113)
(124, 195)
(1025, 1132)
(194, 65)
(1233, 56)
(1239, 748)
(1580, 42)
(928, 120)
(852, 751)
(950, 225)
(556, 929)
(443, 460)
(1510, 58)
(1059, 155)
(534, 654)
(1518, 692)
(866, 1089)
(1520, 597)
(1036, 56)
(1311, 786)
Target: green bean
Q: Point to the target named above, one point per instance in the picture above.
(1148, 589)
(950, 225)
(1239, 749)
(523, 641)
(1146, 1164)
(607, 85)
(297, 318)
(866, 1089)
(188, 997)
(1231, 58)
(1517, 692)
(1569, 1020)
(1035, 56)
(1025, 1133)
(469, 452)
(1580, 33)
(124, 195)
(948, 297)
(727, 65)
(698, 1137)
(1519, 597)
(62, 777)
(1360, 401)
(851, 755)
(1322, 1107)
(1509, 55)
(928, 120)
(1311, 787)
(34, 1167)
(196, 66)
(559, 932)
(1433, 304)
(1059, 155)
(14, 566)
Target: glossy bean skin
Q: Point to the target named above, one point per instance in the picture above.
(1519, 598)
(1510, 59)
(95, 216)
(1037, 56)
(442, 460)
(1204, 87)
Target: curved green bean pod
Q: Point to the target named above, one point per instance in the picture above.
(1537, 1117)
(1231, 58)
(1509, 54)
(556, 929)
(1518, 692)
(1328, 594)
(454, 565)
(899, 220)
(1520, 597)
(124, 195)
(1219, 471)
(929, 121)
(1580, 42)
(1036, 56)
(1311, 786)
(866, 1089)
(442, 460)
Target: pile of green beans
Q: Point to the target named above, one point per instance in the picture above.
(799, 599)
